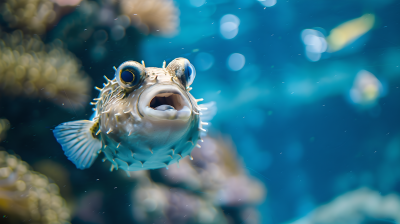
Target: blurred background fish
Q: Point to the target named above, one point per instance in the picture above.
(308, 108)
(348, 32)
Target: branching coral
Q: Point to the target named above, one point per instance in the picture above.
(217, 172)
(28, 195)
(34, 16)
(31, 15)
(154, 16)
(359, 206)
(198, 190)
(4, 126)
(154, 203)
(30, 68)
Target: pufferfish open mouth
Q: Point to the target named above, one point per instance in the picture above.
(164, 102)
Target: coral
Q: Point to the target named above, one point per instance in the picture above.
(28, 195)
(355, 207)
(217, 172)
(34, 16)
(213, 188)
(32, 69)
(152, 16)
(112, 20)
(4, 126)
(157, 203)
(67, 2)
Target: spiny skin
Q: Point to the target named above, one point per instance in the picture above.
(134, 141)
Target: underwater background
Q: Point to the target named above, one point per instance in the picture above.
(307, 129)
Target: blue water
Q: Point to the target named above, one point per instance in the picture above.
(309, 122)
(292, 119)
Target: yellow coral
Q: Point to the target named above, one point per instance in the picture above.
(28, 195)
(33, 16)
(30, 68)
(152, 16)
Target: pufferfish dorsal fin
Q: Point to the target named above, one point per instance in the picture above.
(79, 141)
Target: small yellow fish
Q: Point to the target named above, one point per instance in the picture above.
(348, 32)
(145, 118)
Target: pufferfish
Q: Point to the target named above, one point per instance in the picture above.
(145, 118)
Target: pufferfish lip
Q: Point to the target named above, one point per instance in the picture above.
(165, 102)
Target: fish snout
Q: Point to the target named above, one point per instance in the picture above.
(165, 102)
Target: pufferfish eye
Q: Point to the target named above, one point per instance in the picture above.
(130, 74)
(183, 69)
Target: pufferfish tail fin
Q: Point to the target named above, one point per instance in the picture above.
(79, 141)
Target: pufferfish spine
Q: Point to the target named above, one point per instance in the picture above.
(145, 118)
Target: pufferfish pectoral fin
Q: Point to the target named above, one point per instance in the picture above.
(79, 142)
(208, 114)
